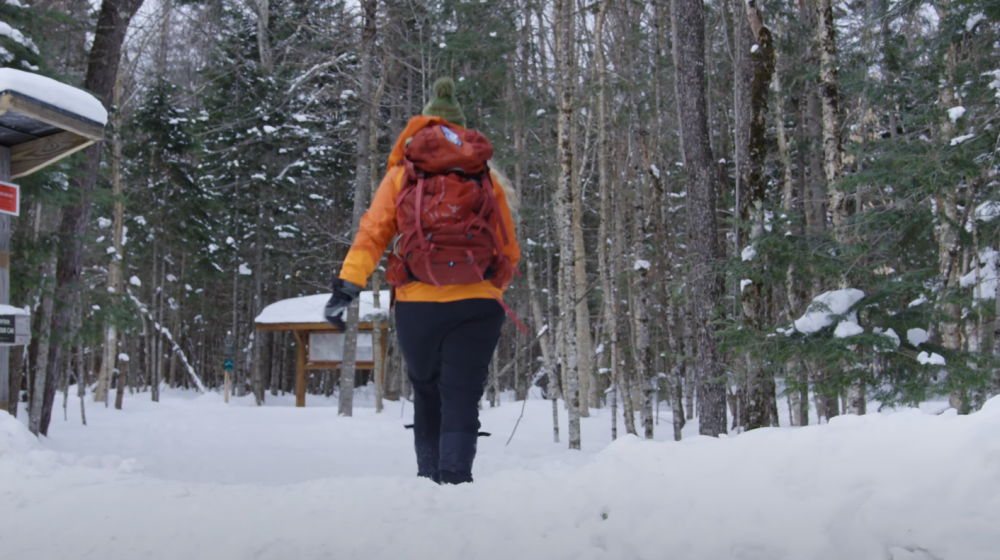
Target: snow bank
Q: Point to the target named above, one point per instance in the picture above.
(309, 309)
(825, 307)
(52, 92)
(15, 439)
(876, 487)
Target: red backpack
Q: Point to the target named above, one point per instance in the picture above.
(447, 215)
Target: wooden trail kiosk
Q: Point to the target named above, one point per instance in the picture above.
(41, 122)
(320, 345)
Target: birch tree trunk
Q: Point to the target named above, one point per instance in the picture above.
(688, 26)
(362, 184)
(565, 10)
(546, 345)
(839, 204)
(949, 221)
(114, 267)
(641, 301)
(606, 262)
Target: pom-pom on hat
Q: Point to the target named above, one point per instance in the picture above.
(443, 103)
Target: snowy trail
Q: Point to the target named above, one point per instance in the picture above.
(281, 483)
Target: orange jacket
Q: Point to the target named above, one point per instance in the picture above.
(378, 228)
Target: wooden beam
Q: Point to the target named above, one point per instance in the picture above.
(310, 327)
(11, 101)
(300, 370)
(335, 365)
(31, 156)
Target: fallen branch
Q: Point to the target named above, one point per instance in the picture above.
(166, 332)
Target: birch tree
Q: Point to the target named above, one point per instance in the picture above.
(362, 184)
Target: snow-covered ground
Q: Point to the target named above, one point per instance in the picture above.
(194, 478)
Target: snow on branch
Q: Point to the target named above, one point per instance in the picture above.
(166, 332)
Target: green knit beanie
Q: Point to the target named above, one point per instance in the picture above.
(443, 103)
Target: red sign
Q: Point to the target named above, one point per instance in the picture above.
(10, 199)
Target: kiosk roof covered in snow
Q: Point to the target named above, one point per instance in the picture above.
(308, 310)
(43, 121)
(319, 345)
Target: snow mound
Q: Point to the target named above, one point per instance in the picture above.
(309, 309)
(15, 437)
(56, 94)
(825, 307)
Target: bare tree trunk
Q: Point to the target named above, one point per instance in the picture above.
(690, 373)
(263, 10)
(688, 23)
(258, 306)
(641, 301)
(114, 267)
(565, 14)
(123, 360)
(755, 68)
(362, 185)
(44, 343)
(102, 71)
(547, 359)
(379, 373)
(606, 262)
(676, 344)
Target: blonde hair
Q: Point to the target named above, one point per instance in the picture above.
(508, 188)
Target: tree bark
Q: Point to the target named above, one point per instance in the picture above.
(754, 71)
(362, 183)
(114, 267)
(606, 261)
(102, 71)
(564, 207)
(547, 359)
(688, 24)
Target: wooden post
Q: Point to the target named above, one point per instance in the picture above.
(6, 402)
(123, 360)
(300, 369)
(227, 364)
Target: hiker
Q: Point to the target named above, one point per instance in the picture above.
(453, 256)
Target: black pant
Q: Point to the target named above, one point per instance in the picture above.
(448, 348)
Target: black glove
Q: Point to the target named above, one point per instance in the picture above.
(343, 294)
